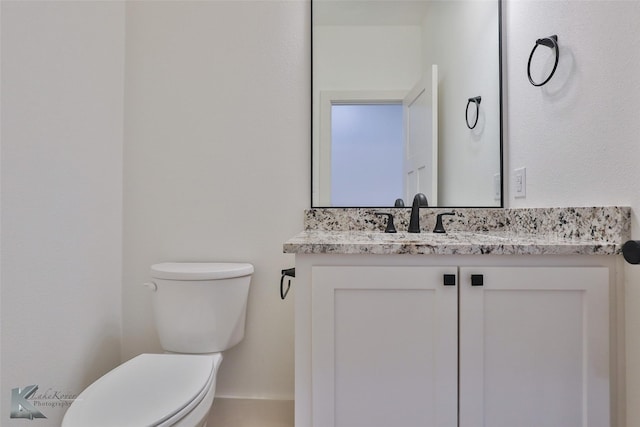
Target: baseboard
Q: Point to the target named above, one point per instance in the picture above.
(235, 412)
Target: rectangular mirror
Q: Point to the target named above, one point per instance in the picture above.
(406, 99)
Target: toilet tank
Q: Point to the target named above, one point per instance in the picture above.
(200, 307)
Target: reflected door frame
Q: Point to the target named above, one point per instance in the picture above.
(322, 152)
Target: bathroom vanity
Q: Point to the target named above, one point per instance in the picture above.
(509, 319)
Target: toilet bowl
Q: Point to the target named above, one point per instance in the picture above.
(200, 311)
(157, 390)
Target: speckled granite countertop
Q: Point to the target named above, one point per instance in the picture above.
(536, 231)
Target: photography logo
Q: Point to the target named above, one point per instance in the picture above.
(21, 407)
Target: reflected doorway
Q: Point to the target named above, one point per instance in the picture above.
(367, 150)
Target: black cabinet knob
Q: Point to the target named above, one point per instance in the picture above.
(477, 280)
(449, 280)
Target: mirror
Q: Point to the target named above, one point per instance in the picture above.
(406, 99)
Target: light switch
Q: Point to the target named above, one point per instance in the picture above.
(520, 182)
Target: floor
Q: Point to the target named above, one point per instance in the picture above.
(227, 412)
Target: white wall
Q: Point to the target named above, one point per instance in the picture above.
(62, 132)
(579, 135)
(217, 164)
(363, 57)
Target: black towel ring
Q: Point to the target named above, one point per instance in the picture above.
(551, 42)
(476, 100)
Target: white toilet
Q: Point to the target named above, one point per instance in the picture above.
(200, 311)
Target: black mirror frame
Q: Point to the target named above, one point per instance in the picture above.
(501, 95)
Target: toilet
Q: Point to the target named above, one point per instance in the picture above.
(200, 311)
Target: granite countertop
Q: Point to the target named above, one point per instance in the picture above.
(549, 231)
(452, 243)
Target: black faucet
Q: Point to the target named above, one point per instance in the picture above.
(420, 200)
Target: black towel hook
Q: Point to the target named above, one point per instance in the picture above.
(476, 100)
(550, 42)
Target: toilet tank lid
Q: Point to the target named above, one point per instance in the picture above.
(200, 270)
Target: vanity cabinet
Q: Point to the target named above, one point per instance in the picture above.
(405, 342)
(384, 349)
(534, 347)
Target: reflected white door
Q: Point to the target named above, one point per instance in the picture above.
(421, 139)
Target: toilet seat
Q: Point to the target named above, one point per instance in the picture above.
(149, 390)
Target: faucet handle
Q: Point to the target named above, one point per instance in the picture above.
(391, 228)
(439, 227)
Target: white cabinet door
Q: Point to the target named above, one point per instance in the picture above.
(384, 347)
(534, 346)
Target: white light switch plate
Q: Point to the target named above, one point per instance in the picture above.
(520, 182)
